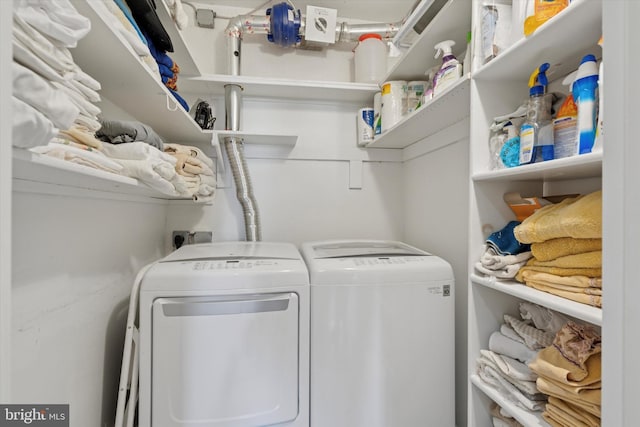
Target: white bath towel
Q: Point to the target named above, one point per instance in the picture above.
(86, 107)
(33, 89)
(30, 127)
(86, 157)
(490, 376)
(57, 19)
(528, 388)
(157, 174)
(191, 151)
(137, 151)
(511, 367)
(26, 57)
(508, 331)
(57, 57)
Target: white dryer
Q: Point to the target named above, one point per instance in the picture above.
(224, 337)
(382, 335)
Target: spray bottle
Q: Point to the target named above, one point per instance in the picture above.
(536, 133)
(584, 93)
(451, 69)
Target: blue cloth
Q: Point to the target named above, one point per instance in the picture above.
(182, 102)
(165, 71)
(160, 56)
(504, 242)
(127, 13)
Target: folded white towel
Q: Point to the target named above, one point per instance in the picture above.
(527, 387)
(85, 106)
(119, 22)
(508, 332)
(157, 174)
(57, 57)
(137, 150)
(534, 338)
(508, 272)
(490, 376)
(190, 150)
(500, 344)
(26, 57)
(511, 367)
(33, 89)
(30, 127)
(493, 261)
(57, 19)
(92, 158)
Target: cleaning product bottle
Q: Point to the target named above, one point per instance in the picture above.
(565, 125)
(597, 145)
(543, 11)
(536, 133)
(584, 93)
(451, 69)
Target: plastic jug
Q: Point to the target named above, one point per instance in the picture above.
(370, 59)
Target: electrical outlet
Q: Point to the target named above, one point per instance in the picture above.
(180, 238)
(205, 18)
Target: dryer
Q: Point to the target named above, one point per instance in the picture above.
(224, 337)
(382, 335)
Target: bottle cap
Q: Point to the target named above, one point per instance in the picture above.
(370, 36)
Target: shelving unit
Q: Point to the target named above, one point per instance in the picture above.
(181, 53)
(497, 88)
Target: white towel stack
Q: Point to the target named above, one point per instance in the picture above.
(196, 168)
(50, 92)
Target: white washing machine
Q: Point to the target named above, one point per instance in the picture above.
(224, 337)
(382, 335)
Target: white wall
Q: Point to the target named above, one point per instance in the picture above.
(435, 219)
(74, 261)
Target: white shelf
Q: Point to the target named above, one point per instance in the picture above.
(578, 310)
(181, 54)
(561, 42)
(527, 418)
(128, 83)
(582, 166)
(40, 168)
(265, 87)
(446, 109)
(452, 22)
(257, 138)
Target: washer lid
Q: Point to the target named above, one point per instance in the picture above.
(233, 250)
(359, 248)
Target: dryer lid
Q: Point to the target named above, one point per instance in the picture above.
(362, 248)
(234, 250)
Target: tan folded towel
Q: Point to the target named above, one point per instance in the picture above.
(563, 288)
(583, 260)
(571, 412)
(592, 300)
(559, 271)
(579, 217)
(189, 150)
(550, 389)
(83, 136)
(555, 248)
(591, 393)
(550, 363)
(569, 281)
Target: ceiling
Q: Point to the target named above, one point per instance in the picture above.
(366, 10)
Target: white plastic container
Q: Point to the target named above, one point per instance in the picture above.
(370, 58)
(394, 103)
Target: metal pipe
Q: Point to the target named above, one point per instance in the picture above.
(352, 32)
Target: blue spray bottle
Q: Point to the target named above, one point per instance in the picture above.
(584, 92)
(536, 133)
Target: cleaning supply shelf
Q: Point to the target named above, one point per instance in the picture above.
(582, 166)
(446, 109)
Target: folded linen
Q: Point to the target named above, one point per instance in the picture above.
(191, 166)
(26, 57)
(120, 131)
(552, 287)
(83, 136)
(587, 399)
(511, 367)
(570, 412)
(500, 344)
(579, 217)
(562, 246)
(542, 317)
(534, 338)
(57, 19)
(86, 107)
(490, 376)
(569, 281)
(508, 272)
(499, 414)
(137, 151)
(41, 95)
(550, 363)
(583, 260)
(528, 388)
(57, 57)
(494, 261)
(85, 157)
(578, 342)
(191, 151)
(157, 174)
(123, 25)
(30, 127)
(559, 271)
(508, 331)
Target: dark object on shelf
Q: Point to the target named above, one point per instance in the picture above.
(204, 116)
(144, 12)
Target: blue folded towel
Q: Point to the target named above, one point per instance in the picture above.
(504, 241)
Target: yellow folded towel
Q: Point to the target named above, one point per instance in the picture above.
(559, 271)
(550, 389)
(584, 260)
(590, 393)
(579, 217)
(562, 246)
(583, 298)
(560, 413)
(569, 281)
(550, 363)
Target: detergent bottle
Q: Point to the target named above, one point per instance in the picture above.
(451, 69)
(584, 91)
(543, 11)
(536, 133)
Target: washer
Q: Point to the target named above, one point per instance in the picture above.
(224, 337)
(382, 335)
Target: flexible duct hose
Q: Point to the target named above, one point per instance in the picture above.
(244, 188)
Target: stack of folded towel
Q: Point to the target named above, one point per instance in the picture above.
(504, 364)
(566, 243)
(501, 418)
(503, 255)
(52, 96)
(569, 372)
(196, 168)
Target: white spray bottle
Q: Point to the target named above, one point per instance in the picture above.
(451, 69)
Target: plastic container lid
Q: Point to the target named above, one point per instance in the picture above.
(370, 36)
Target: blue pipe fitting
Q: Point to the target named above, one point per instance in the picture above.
(285, 25)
